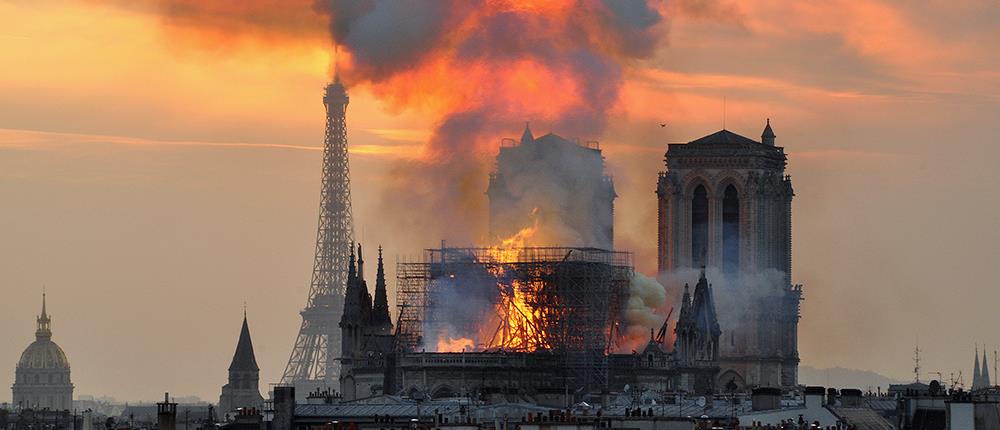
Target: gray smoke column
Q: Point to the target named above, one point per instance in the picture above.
(483, 68)
(557, 188)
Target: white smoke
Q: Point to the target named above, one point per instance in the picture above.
(644, 310)
(733, 295)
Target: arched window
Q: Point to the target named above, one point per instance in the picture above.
(731, 230)
(699, 226)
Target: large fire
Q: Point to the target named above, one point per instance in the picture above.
(516, 325)
(471, 68)
(520, 325)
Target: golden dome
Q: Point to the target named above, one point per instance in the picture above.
(43, 354)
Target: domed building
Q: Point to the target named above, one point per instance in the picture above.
(42, 376)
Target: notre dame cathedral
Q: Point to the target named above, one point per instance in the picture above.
(726, 203)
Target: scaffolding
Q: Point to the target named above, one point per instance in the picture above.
(564, 300)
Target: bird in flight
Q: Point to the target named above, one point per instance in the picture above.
(662, 125)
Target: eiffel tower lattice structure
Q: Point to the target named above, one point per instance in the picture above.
(315, 357)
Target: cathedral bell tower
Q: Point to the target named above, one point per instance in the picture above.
(725, 202)
(243, 388)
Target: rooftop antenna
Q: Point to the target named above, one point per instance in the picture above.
(916, 360)
(723, 112)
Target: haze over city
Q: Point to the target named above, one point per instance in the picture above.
(160, 165)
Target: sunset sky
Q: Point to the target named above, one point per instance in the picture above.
(159, 169)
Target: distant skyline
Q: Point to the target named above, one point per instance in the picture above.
(153, 178)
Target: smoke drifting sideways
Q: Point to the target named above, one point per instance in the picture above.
(733, 294)
(475, 69)
(480, 68)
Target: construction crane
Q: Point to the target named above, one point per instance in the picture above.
(662, 335)
(957, 382)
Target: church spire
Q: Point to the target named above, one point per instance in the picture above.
(767, 137)
(244, 358)
(361, 264)
(527, 137)
(985, 374)
(44, 330)
(351, 273)
(381, 321)
(977, 375)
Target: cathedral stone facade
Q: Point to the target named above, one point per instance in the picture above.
(366, 338)
(42, 380)
(725, 202)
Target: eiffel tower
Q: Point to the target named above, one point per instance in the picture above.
(315, 357)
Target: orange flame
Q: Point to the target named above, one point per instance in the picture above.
(460, 344)
(519, 325)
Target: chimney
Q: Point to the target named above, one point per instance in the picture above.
(814, 397)
(765, 398)
(284, 408)
(166, 413)
(850, 398)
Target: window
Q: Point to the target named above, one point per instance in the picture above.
(699, 226)
(730, 231)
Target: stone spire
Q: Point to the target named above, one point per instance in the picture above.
(351, 306)
(381, 320)
(361, 264)
(703, 306)
(696, 346)
(351, 272)
(364, 297)
(243, 388)
(527, 137)
(984, 375)
(44, 331)
(977, 377)
(767, 137)
(244, 358)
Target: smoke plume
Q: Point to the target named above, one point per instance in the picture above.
(733, 295)
(484, 68)
(478, 69)
(645, 311)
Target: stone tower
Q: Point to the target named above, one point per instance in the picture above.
(725, 202)
(41, 380)
(556, 185)
(353, 323)
(243, 389)
(381, 322)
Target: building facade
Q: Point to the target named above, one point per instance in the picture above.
(367, 341)
(696, 347)
(724, 202)
(42, 377)
(376, 362)
(243, 388)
